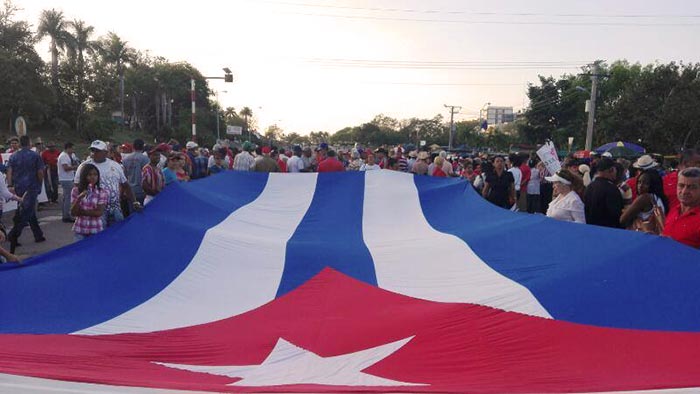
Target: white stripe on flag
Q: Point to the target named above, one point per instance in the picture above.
(238, 266)
(414, 259)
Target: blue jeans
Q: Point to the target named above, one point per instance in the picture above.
(67, 187)
(80, 237)
(112, 216)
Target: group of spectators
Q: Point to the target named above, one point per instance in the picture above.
(640, 196)
(117, 180)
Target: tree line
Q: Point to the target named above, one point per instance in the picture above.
(655, 105)
(95, 85)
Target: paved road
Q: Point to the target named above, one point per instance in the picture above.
(57, 233)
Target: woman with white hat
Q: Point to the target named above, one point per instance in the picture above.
(567, 204)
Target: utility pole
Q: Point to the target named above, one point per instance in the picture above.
(591, 109)
(453, 110)
(121, 98)
(194, 108)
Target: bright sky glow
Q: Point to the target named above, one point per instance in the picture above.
(310, 65)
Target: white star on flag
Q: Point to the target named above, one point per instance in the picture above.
(289, 364)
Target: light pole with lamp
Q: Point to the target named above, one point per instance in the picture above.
(228, 77)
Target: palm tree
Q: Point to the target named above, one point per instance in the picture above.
(52, 24)
(246, 113)
(79, 44)
(230, 114)
(115, 51)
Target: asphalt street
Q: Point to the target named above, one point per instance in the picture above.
(56, 232)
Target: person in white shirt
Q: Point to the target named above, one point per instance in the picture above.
(567, 204)
(370, 166)
(533, 189)
(295, 163)
(67, 164)
(244, 161)
(514, 162)
(225, 160)
(111, 178)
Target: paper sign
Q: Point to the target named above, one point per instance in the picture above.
(548, 154)
(234, 130)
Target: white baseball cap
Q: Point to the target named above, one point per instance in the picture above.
(98, 145)
(191, 145)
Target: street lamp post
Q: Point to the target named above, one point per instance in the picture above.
(228, 77)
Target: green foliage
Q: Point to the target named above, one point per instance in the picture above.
(654, 105)
(23, 87)
(384, 130)
(97, 127)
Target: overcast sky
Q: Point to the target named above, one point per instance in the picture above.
(312, 65)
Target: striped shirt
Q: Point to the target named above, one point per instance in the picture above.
(88, 225)
(243, 162)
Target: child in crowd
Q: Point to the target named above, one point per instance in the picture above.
(219, 165)
(88, 201)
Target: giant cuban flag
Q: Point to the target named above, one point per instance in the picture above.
(350, 282)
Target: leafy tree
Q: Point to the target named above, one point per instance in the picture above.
(296, 139)
(274, 133)
(469, 133)
(316, 137)
(345, 136)
(23, 88)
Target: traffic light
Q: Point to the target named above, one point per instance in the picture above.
(228, 77)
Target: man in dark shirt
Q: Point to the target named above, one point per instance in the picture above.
(499, 185)
(25, 174)
(603, 200)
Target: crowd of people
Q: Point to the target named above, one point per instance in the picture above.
(640, 196)
(116, 180)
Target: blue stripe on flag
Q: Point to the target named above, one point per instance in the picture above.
(330, 235)
(579, 273)
(92, 281)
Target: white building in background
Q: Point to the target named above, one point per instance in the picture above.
(495, 115)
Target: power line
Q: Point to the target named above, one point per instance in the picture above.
(544, 103)
(442, 84)
(476, 13)
(450, 62)
(480, 22)
(427, 65)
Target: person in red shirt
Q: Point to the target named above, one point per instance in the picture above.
(526, 174)
(689, 158)
(280, 163)
(331, 164)
(50, 158)
(683, 221)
